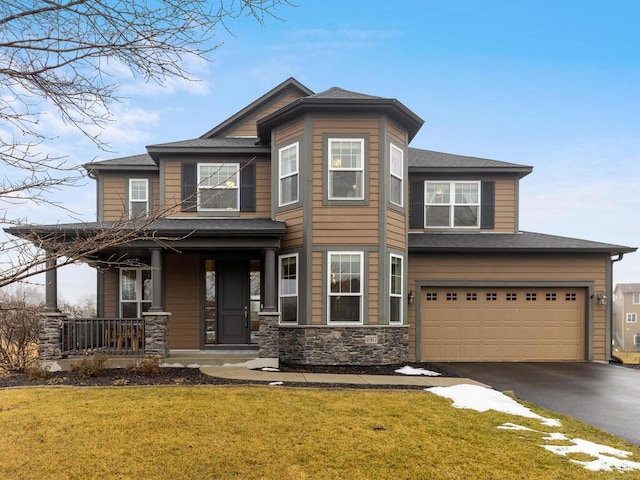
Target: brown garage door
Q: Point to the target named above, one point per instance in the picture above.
(502, 324)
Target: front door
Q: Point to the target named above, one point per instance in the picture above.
(233, 295)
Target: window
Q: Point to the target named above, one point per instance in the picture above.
(395, 302)
(492, 297)
(138, 197)
(472, 296)
(135, 292)
(452, 204)
(636, 340)
(452, 296)
(345, 287)
(512, 297)
(551, 297)
(218, 186)
(636, 298)
(346, 169)
(396, 169)
(432, 296)
(288, 276)
(531, 297)
(288, 158)
(570, 297)
(632, 317)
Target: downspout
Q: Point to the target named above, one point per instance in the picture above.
(610, 310)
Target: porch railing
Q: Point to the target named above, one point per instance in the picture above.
(111, 336)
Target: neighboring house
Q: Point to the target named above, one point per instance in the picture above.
(626, 316)
(306, 227)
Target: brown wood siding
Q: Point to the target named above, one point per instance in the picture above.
(294, 220)
(316, 289)
(155, 185)
(182, 292)
(372, 281)
(289, 132)
(331, 223)
(114, 191)
(110, 291)
(547, 268)
(396, 229)
(173, 188)
(248, 125)
(505, 210)
(397, 135)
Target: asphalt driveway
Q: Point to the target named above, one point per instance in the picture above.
(607, 396)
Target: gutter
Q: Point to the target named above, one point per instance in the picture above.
(612, 357)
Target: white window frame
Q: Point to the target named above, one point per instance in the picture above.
(220, 186)
(636, 298)
(397, 175)
(283, 177)
(632, 317)
(393, 294)
(331, 294)
(288, 295)
(636, 340)
(132, 200)
(139, 300)
(334, 167)
(452, 203)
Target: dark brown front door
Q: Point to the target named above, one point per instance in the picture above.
(233, 294)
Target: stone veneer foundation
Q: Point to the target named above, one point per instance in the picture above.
(345, 345)
(156, 333)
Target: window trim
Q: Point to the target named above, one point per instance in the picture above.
(132, 201)
(331, 169)
(360, 254)
(399, 177)
(396, 295)
(452, 204)
(635, 298)
(632, 317)
(200, 187)
(139, 290)
(282, 177)
(297, 284)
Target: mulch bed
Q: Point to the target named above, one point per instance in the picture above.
(193, 376)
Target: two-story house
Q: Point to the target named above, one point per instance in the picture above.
(626, 312)
(306, 227)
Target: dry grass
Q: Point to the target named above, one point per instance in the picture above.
(628, 357)
(270, 433)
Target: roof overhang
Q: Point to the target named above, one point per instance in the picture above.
(520, 170)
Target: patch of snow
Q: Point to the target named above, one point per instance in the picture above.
(171, 365)
(274, 384)
(193, 365)
(270, 369)
(482, 399)
(606, 458)
(513, 426)
(556, 436)
(408, 370)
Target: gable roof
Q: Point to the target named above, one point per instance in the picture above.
(289, 83)
(628, 287)
(528, 242)
(428, 161)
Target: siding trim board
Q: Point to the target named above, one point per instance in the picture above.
(587, 285)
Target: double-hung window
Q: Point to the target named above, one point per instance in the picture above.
(636, 298)
(218, 186)
(452, 204)
(288, 159)
(138, 197)
(632, 317)
(345, 287)
(346, 169)
(395, 290)
(396, 169)
(289, 288)
(135, 292)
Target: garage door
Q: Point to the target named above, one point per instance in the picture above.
(502, 324)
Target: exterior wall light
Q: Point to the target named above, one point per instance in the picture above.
(601, 298)
(411, 298)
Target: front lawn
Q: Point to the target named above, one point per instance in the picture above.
(273, 433)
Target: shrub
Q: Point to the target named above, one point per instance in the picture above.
(92, 366)
(18, 335)
(150, 366)
(38, 372)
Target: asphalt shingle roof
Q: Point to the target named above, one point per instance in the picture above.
(337, 92)
(430, 159)
(141, 160)
(217, 142)
(628, 287)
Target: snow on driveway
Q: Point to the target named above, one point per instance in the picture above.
(483, 399)
(408, 370)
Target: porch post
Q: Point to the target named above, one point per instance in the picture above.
(270, 276)
(51, 286)
(157, 302)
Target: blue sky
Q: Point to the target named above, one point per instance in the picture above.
(551, 84)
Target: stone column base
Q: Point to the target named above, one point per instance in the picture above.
(50, 335)
(268, 339)
(156, 333)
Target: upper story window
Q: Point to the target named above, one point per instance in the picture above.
(396, 170)
(288, 160)
(345, 287)
(452, 204)
(632, 317)
(138, 197)
(636, 298)
(346, 169)
(218, 186)
(395, 289)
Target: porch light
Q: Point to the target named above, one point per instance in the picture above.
(411, 298)
(601, 298)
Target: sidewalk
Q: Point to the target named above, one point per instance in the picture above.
(242, 373)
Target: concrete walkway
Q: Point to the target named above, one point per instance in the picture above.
(241, 373)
